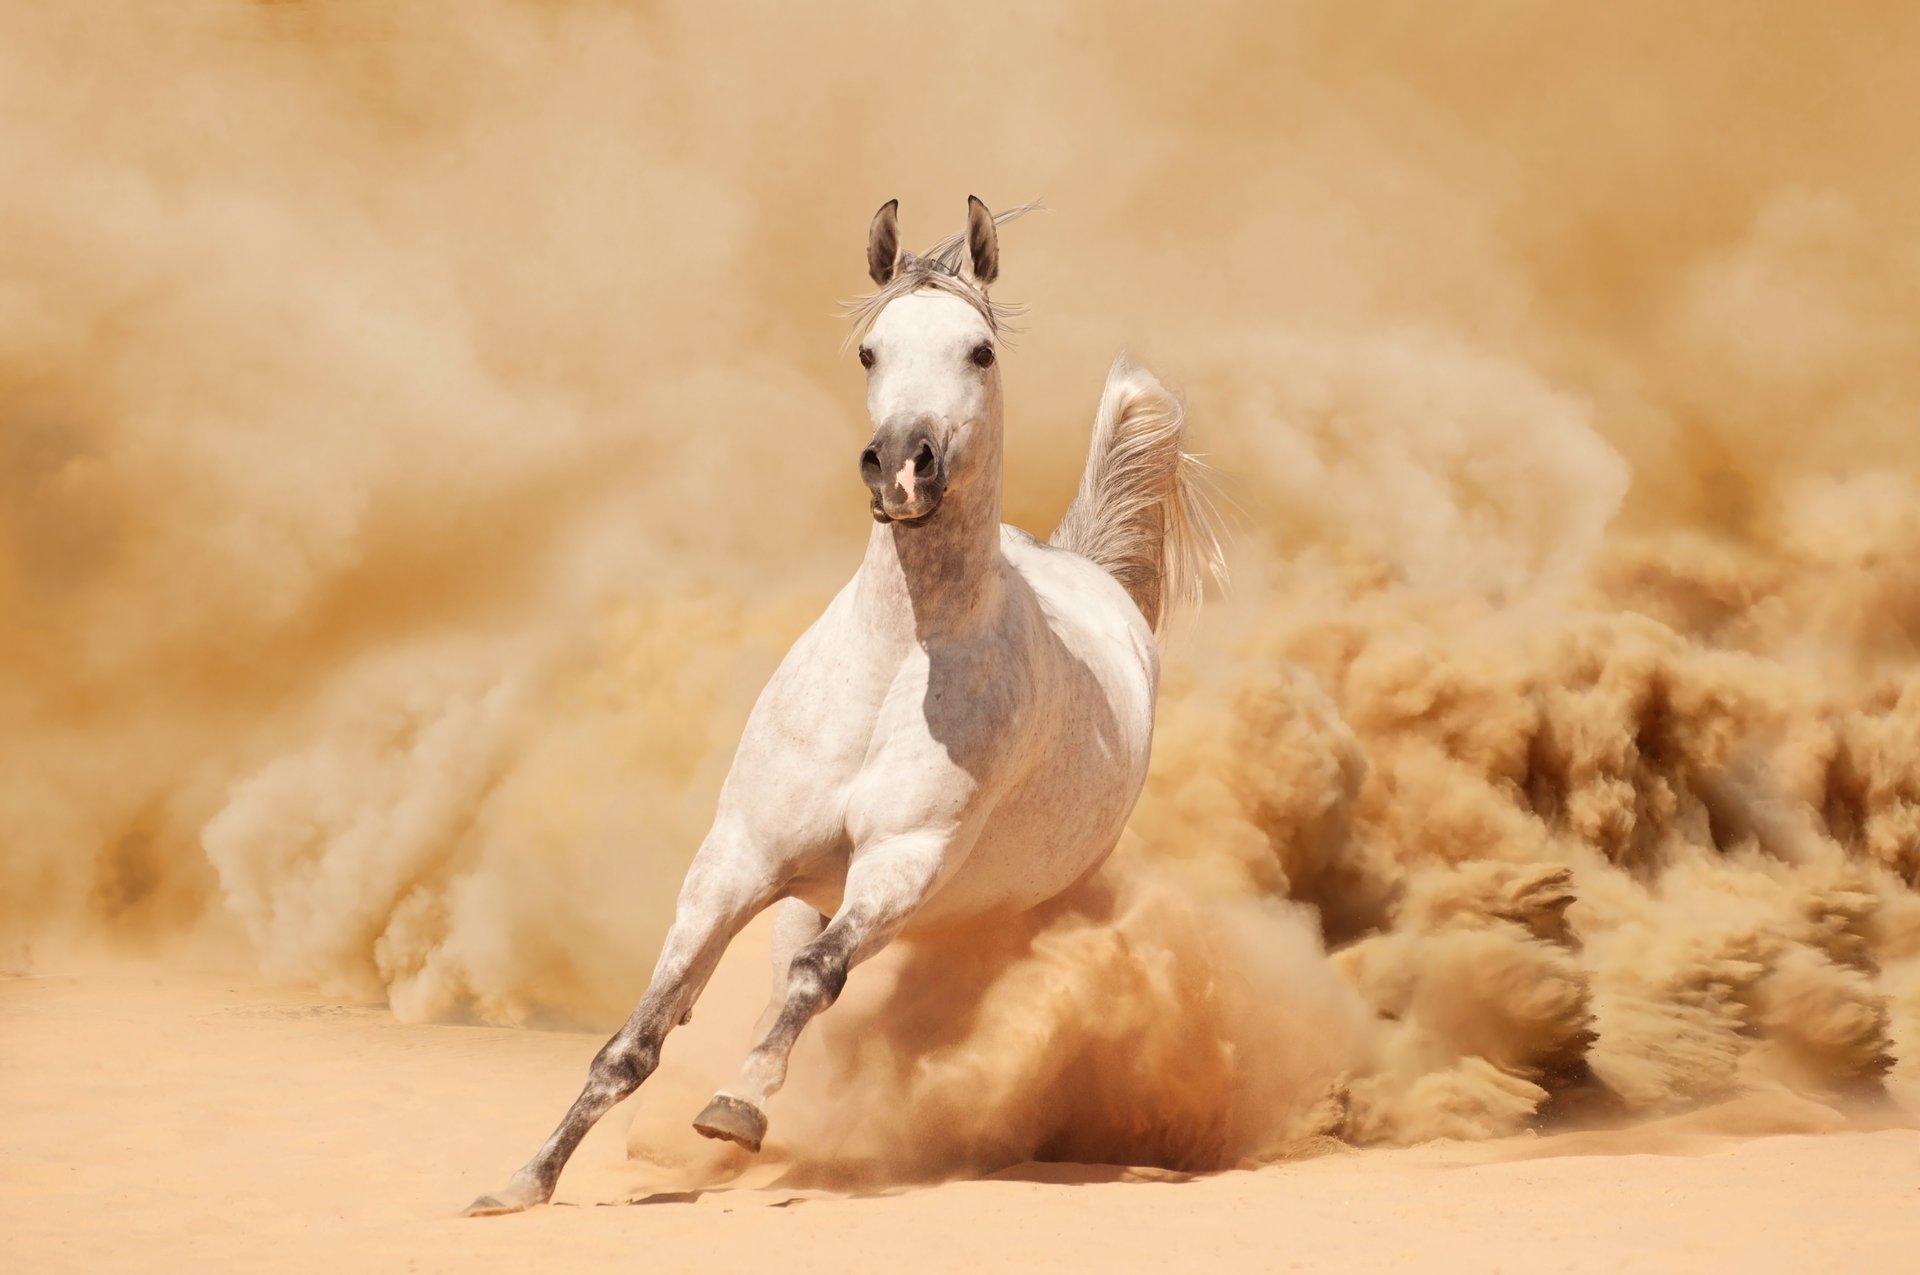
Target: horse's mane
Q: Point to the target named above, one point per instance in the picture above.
(937, 268)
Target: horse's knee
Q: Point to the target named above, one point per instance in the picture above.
(622, 1064)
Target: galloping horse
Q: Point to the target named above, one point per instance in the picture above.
(965, 730)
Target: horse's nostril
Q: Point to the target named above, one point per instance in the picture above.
(870, 461)
(923, 460)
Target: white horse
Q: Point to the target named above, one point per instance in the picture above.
(965, 730)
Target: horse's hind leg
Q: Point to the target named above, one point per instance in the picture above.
(719, 897)
(795, 924)
(885, 884)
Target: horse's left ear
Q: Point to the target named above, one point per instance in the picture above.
(883, 244)
(983, 243)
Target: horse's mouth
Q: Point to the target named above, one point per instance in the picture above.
(881, 515)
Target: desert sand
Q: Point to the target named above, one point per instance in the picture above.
(172, 1121)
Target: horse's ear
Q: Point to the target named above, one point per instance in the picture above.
(883, 243)
(983, 243)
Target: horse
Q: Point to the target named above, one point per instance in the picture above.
(964, 731)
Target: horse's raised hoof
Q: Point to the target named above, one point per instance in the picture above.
(734, 1119)
(515, 1198)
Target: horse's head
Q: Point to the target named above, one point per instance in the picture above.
(933, 382)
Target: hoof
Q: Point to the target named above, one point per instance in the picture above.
(515, 1199)
(734, 1119)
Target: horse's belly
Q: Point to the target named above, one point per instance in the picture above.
(1043, 836)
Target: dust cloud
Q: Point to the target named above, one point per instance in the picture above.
(422, 429)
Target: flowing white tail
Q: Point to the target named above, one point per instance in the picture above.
(1142, 513)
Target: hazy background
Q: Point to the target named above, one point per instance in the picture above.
(424, 426)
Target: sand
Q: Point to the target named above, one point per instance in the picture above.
(155, 1119)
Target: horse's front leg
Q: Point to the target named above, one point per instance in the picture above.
(886, 883)
(725, 888)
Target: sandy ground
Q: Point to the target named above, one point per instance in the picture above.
(157, 1120)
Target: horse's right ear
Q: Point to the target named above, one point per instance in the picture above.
(883, 243)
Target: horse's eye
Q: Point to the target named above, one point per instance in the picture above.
(866, 357)
(983, 355)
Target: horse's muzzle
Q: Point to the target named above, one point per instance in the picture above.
(906, 472)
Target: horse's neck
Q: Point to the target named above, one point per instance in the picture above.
(938, 579)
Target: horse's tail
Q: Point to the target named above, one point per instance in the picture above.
(1142, 511)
